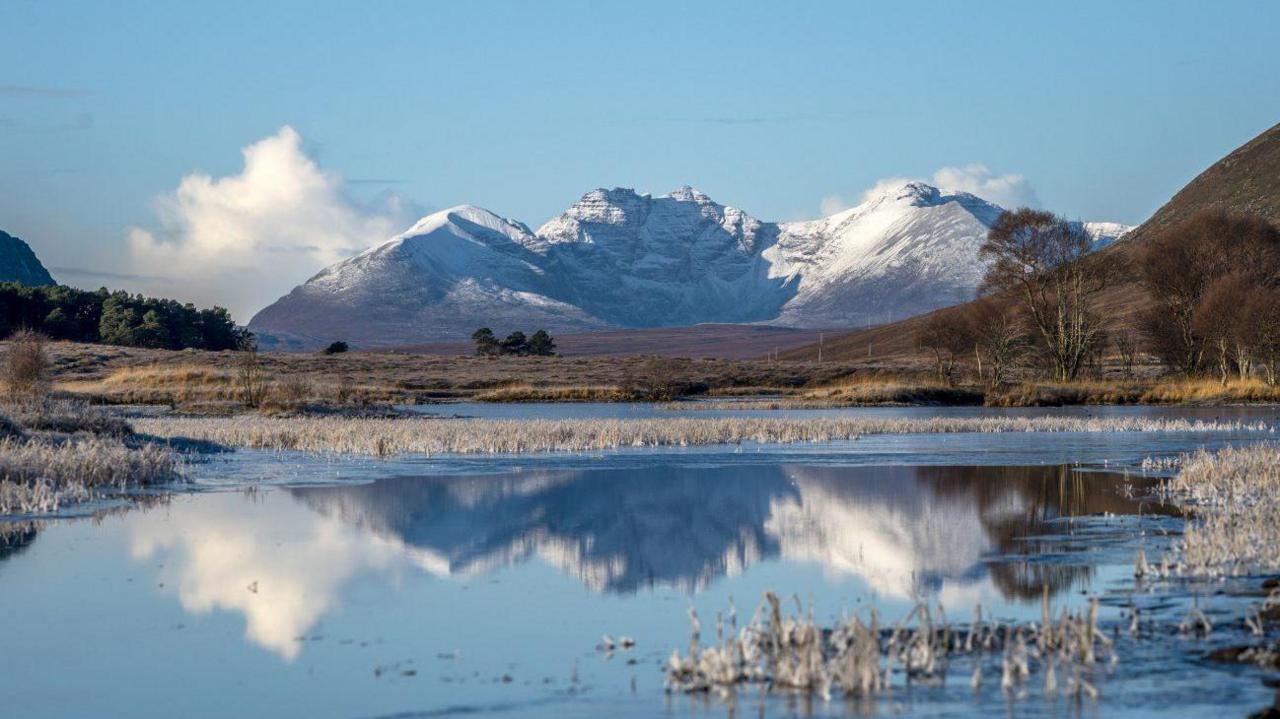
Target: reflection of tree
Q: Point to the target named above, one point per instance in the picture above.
(1047, 494)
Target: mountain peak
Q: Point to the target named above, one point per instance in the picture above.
(19, 264)
(688, 193)
(465, 219)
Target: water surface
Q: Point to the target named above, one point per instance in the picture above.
(455, 586)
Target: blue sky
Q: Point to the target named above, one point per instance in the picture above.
(1105, 108)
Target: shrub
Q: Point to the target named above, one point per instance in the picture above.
(335, 348)
(26, 366)
(251, 379)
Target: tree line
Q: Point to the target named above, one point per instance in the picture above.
(538, 344)
(1213, 307)
(117, 318)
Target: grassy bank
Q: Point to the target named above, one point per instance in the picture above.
(382, 436)
(876, 390)
(53, 454)
(118, 375)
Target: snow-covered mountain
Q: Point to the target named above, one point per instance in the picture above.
(618, 258)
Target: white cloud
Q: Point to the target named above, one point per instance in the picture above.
(243, 240)
(1008, 191)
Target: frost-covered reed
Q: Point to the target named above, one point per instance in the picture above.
(1235, 497)
(857, 658)
(41, 477)
(419, 435)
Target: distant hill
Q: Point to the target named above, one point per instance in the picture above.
(1246, 180)
(19, 264)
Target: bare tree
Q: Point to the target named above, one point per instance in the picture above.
(1178, 265)
(944, 336)
(999, 335)
(1220, 319)
(1126, 348)
(1264, 311)
(1041, 259)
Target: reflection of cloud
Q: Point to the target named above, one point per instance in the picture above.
(217, 548)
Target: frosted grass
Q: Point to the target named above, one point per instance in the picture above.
(429, 436)
(40, 478)
(857, 658)
(1235, 493)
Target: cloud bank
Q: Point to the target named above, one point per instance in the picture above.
(1008, 191)
(244, 240)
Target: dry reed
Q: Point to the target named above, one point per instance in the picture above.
(857, 658)
(388, 436)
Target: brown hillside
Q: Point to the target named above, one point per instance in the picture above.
(1247, 180)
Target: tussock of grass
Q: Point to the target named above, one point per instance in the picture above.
(40, 477)
(1236, 495)
(376, 436)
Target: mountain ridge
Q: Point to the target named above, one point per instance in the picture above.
(617, 258)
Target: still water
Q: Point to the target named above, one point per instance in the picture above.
(484, 586)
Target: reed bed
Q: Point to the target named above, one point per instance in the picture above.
(41, 477)
(858, 659)
(428, 436)
(1235, 494)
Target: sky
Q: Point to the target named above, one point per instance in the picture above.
(224, 152)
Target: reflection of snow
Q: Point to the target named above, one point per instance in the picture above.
(217, 547)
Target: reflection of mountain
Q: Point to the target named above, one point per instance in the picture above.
(617, 530)
(905, 530)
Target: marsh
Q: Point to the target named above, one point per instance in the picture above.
(348, 584)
